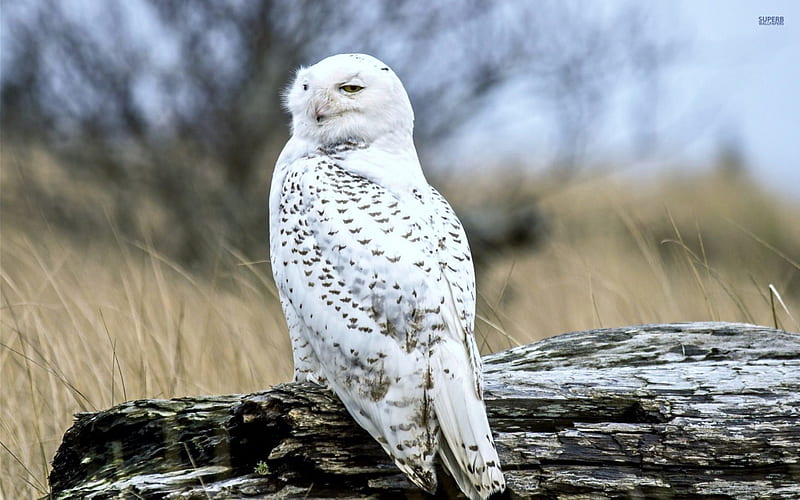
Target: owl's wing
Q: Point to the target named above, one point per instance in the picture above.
(455, 260)
(358, 267)
(467, 447)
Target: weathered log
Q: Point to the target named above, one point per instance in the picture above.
(696, 410)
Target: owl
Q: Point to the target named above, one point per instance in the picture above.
(375, 275)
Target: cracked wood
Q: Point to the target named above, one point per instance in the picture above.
(694, 410)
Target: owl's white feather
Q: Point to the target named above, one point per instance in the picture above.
(375, 275)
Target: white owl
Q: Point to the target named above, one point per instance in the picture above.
(375, 275)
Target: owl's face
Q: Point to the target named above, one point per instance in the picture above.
(348, 97)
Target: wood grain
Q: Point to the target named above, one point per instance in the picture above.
(694, 410)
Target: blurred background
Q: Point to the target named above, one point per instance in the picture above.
(613, 164)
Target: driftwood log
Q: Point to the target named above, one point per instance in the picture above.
(696, 410)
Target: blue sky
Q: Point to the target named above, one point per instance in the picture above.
(750, 76)
(733, 79)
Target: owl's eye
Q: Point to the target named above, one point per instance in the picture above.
(350, 89)
(305, 86)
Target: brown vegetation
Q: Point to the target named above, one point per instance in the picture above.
(91, 321)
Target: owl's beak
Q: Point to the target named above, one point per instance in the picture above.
(317, 112)
(321, 108)
(318, 107)
(322, 113)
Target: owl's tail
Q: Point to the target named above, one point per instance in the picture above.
(467, 450)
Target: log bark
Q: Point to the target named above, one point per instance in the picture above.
(694, 410)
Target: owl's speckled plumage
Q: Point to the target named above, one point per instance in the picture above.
(375, 275)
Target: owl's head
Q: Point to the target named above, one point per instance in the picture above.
(348, 97)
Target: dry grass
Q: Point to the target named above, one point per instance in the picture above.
(85, 328)
(688, 249)
(89, 324)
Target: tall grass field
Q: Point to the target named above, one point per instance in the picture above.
(89, 322)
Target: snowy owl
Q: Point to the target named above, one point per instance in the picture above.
(375, 275)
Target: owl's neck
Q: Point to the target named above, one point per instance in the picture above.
(389, 160)
(393, 167)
